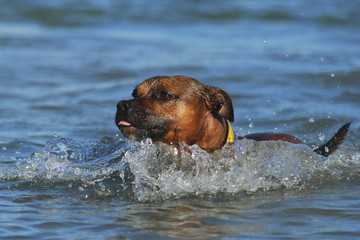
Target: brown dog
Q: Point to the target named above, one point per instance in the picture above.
(181, 109)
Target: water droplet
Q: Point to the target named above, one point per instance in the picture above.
(321, 137)
(176, 152)
(77, 171)
(327, 149)
(311, 120)
(332, 75)
(4, 148)
(251, 125)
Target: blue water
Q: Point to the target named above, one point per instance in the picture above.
(66, 172)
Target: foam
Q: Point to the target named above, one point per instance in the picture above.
(109, 167)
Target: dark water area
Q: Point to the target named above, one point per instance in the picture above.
(67, 172)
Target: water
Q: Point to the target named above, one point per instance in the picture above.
(67, 172)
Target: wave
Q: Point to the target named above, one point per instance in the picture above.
(95, 13)
(143, 171)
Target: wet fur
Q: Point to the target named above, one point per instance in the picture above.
(179, 109)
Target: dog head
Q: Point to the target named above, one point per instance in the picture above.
(176, 109)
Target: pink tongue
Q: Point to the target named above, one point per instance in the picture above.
(123, 123)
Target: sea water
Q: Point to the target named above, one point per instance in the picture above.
(67, 172)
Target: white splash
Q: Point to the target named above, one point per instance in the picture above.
(246, 166)
(147, 172)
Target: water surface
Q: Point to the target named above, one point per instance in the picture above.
(67, 172)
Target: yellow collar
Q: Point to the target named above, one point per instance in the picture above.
(230, 133)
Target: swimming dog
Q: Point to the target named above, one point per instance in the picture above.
(181, 109)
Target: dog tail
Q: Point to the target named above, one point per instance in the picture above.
(334, 143)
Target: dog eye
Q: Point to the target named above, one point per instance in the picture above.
(164, 96)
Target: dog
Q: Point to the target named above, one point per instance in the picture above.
(180, 109)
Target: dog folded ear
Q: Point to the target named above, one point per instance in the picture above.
(220, 103)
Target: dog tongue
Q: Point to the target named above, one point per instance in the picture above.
(124, 123)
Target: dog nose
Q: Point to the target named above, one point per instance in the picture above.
(123, 105)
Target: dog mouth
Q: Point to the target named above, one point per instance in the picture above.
(132, 131)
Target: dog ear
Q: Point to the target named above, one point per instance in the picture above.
(220, 103)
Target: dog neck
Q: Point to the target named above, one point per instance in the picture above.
(214, 135)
